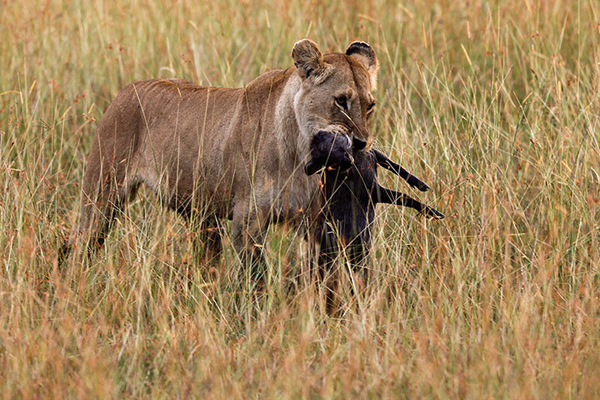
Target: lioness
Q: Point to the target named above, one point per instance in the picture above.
(214, 153)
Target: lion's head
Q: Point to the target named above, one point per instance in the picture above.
(335, 92)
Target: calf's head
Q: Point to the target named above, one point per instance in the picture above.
(329, 151)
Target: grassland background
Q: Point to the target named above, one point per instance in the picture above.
(495, 104)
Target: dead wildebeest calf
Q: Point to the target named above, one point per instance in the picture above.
(350, 194)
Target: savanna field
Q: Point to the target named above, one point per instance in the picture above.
(495, 104)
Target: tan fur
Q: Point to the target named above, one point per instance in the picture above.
(232, 153)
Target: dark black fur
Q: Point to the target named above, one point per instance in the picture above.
(329, 150)
(350, 198)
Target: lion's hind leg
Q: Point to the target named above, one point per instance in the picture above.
(107, 186)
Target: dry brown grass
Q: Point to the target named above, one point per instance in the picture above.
(496, 104)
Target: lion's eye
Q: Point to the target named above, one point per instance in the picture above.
(370, 107)
(342, 102)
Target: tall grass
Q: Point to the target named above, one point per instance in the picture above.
(495, 104)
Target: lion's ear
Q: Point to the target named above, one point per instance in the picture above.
(364, 53)
(307, 57)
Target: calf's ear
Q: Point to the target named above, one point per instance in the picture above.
(307, 57)
(358, 144)
(364, 53)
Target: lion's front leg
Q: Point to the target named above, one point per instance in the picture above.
(207, 241)
(249, 226)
